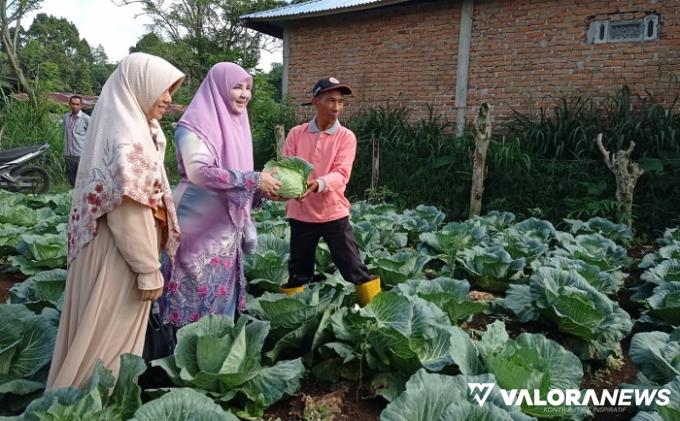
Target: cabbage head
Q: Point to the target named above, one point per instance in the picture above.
(293, 173)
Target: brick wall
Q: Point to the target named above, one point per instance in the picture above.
(524, 52)
(403, 56)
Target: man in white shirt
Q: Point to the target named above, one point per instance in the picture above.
(75, 128)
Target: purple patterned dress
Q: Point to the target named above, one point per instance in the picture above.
(207, 275)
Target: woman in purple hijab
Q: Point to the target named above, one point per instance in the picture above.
(213, 199)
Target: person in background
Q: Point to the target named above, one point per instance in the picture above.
(214, 197)
(75, 126)
(323, 210)
(122, 215)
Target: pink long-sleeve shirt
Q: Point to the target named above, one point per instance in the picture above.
(332, 153)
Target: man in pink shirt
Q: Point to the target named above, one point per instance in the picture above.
(323, 210)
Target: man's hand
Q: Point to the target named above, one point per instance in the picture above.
(151, 294)
(312, 186)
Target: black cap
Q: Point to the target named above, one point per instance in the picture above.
(330, 84)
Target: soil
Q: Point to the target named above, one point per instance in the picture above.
(7, 281)
(320, 401)
(612, 378)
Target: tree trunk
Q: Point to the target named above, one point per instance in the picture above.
(627, 174)
(481, 130)
(280, 136)
(10, 49)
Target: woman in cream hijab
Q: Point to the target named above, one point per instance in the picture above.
(122, 215)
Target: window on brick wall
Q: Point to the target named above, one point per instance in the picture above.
(636, 30)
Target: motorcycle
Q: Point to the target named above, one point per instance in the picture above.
(17, 175)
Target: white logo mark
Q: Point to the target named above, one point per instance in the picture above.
(482, 395)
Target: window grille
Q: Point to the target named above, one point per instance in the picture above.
(605, 31)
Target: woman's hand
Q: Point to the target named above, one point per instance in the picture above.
(269, 186)
(151, 294)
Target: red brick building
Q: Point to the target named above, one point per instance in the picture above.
(454, 54)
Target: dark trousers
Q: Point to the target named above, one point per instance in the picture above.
(72, 168)
(304, 237)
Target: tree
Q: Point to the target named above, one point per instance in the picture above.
(627, 173)
(11, 12)
(208, 31)
(101, 68)
(56, 41)
(99, 55)
(179, 54)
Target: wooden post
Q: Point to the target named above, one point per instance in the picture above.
(481, 130)
(280, 136)
(626, 173)
(375, 164)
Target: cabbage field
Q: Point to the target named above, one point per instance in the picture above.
(524, 304)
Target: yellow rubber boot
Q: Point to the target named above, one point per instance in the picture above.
(368, 290)
(293, 291)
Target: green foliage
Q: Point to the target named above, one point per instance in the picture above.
(177, 53)
(660, 291)
(33, 231)
(27, 341)
(607, 282)
(424, 149)
(103, 398)
(266, 110)
(547, 163)
(221, 358)
(569, 131)
(596, 323)
(491, 267)
(400, 333)
(297, 322)
(194, 35)
(664, 304)
(593, 249)
(399, 267)
(168, 124)
(40, 252)
(183, 404)
(267, 268)
(657, 355)
(54, 55)
(530, 361)
(450, 295)
(436, 397)
(44, 289)
(610, 230)
(26, 123)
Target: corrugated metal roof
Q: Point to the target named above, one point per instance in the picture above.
(272, 21)
(311, 7)
(89, 100)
